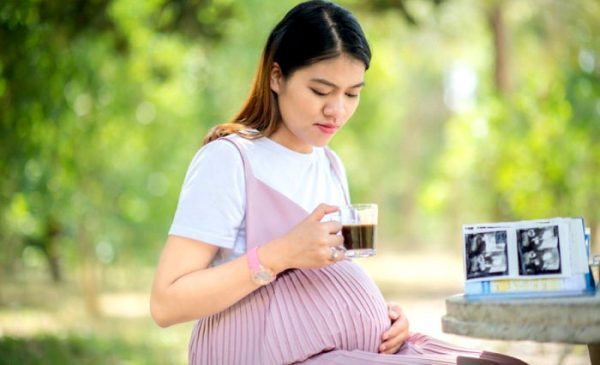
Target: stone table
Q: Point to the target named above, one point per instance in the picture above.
(574, 320)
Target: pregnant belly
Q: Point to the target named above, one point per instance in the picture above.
(311, 311)
(301, 314)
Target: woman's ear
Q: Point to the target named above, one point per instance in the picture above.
(276, 78)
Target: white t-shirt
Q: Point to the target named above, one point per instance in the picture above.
(212, 202)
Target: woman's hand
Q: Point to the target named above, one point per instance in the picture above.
(394, 337)
(310, 244)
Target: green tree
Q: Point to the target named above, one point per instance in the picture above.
(530, 146)
(94, 99)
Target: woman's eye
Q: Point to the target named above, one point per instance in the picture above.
(318, 92)
(351, 95)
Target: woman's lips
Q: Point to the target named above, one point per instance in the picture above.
(327, 128)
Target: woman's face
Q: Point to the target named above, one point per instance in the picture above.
(316, 101)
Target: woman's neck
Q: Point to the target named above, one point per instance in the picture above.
(286, 138)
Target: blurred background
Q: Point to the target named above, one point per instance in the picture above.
(474, 111)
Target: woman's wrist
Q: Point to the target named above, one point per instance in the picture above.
(271, 255)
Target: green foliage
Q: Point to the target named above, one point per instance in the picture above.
(77, 349)
(103, 103)
(533, 152)
(94, 102)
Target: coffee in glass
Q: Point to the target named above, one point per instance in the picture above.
(359, 228)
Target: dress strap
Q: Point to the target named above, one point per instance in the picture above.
(269, 214)
(338, 172)
(247, 167)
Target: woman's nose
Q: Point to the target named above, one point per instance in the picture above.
(335, 109)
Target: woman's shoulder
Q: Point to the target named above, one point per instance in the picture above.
(226, 146)
(229, 151)
(232, 142)
(217, 164)
(219, 152)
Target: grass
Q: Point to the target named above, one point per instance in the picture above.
(77, 349)
(45, 323)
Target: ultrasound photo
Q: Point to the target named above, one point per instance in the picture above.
(539, 251)
(486, 254)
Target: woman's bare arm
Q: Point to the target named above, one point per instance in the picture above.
(185, 288)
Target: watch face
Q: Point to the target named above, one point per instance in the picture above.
(263, 277)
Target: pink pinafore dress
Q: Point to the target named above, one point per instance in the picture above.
(333, 315)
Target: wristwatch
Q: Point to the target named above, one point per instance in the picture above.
(260, 274)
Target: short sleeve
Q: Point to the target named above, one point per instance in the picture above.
(212, 200)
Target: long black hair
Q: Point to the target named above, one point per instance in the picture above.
(313, 31)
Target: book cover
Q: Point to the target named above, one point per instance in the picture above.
(527, 259)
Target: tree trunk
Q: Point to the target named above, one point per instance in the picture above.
(498, 29)
(50, 249)
(54, 266)
(88, 274)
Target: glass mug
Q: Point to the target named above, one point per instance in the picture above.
(359, 228)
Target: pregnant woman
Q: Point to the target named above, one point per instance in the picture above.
(249, 256)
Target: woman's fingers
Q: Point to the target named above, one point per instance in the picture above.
(333, 227)
(395, 338)
(397, 334)
(336, 253)
(320, 211)
(314, 242)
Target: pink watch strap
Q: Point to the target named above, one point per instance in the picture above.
(253, 260)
